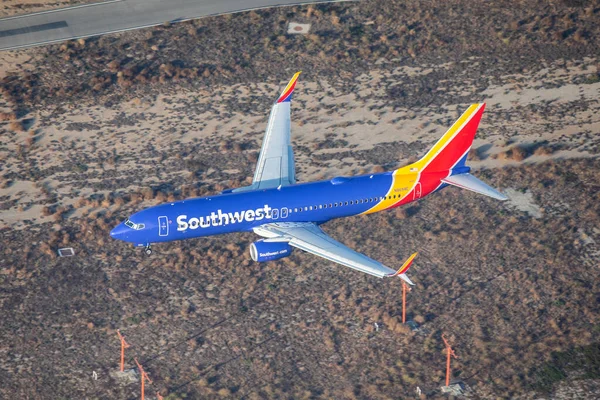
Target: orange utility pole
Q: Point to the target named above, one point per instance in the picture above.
(143, 376)
(449, 353)
(405, 288)
(124, 345)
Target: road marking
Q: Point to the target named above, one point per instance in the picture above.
(34, 28)
(141, 25)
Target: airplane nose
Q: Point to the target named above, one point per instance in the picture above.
(117, 232)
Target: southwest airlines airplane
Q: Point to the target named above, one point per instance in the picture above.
(288, 214)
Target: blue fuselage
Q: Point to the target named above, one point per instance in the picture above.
(236, 212)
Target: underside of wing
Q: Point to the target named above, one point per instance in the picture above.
(310, 238)
(275, 166)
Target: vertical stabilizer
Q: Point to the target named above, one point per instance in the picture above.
(451, 150)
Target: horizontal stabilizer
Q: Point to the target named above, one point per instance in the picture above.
(469, 182)
(406, 279)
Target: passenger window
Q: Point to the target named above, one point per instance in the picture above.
(330, 205)
(346, 203)
(284, 212)
(275, 213)
(305, 208)
(321, 206)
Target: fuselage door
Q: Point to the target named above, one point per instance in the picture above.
(163, 226)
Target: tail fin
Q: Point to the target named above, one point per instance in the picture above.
(450, 152)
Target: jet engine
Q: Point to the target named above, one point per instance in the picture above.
(262, 251)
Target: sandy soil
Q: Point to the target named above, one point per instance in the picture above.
(335, 132)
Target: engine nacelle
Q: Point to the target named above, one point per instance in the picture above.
(262, 251)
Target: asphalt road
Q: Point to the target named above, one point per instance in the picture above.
(116, 16)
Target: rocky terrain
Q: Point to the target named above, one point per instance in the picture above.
(94, 130)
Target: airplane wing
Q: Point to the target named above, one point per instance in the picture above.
(309, 237)
(275, 164)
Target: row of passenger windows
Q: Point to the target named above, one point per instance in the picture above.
(284, 211)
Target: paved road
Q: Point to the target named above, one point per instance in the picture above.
(115, 16)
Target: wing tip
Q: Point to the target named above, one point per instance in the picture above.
(286, 95)
(402, 270)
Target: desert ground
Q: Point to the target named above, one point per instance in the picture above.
(96, 129)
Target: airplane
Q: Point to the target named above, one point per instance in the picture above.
(288, 215)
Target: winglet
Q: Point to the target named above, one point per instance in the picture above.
(286, 95)
(402, 271)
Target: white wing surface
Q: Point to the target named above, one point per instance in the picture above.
(275, 164)
(309, 237)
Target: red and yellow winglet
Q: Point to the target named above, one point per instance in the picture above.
(402, 271)
(286, 95)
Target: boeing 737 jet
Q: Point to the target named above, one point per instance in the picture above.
(288, 214)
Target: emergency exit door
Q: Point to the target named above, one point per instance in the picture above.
(163, 226)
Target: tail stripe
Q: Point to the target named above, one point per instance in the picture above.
(286, 95)
(473, 111)
(426, 175)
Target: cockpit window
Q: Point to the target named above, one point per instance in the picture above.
(132, 225)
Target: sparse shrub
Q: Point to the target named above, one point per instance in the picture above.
(7, 116)
(543, 151)
(148, 193)
(16, 126)
(224, 392)
(473, 155)
(237, 147)
(517, 153)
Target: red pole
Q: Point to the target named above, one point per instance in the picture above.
(448, 366)
(449, 353)
(124, 345)
(405, 289)
(403, 302)
(143, 376)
